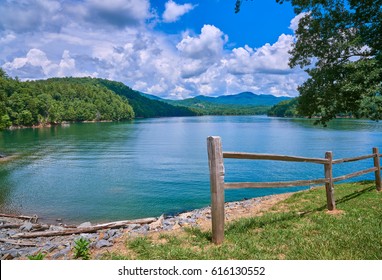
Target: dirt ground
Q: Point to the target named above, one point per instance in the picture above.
(233, 211)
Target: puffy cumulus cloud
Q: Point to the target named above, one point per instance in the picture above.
(35, 58)
(170, 66)
(267, 59)
(295, 21)
(36, 64)
(209, 43)
(174, 11)
(202, 51)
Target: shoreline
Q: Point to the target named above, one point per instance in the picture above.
(15, 243)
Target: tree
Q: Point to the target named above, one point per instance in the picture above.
(339, 44)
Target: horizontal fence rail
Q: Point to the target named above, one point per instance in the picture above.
(217, 171)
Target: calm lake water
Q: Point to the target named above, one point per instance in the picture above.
(113, 171)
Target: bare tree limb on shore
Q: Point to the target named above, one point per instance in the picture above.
(22, 217)
(83, 229)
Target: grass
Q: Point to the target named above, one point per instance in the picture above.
(299, 228)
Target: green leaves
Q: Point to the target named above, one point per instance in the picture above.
(81, 249)
(339, 45)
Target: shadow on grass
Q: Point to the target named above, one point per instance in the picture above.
(276, 218)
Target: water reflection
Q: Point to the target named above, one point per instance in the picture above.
(147, 167)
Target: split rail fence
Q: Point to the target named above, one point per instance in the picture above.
(217, 172)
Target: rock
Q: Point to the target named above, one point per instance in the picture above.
(143, 229)
(56, 228)
(27, 226)
(89, 236)
(158, 223)
(133, 226)
(29, 252)
(62, 253)
(84, 225)
(49, 248)
(103, 243)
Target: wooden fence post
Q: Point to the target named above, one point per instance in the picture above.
(329, 182)
(377, 164)
(216, 166)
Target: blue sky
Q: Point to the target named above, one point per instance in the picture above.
(171, 48)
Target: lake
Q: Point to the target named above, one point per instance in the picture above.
(124, 170)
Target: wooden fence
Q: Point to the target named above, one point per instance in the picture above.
(217, 184)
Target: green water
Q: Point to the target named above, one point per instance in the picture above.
(112, 171)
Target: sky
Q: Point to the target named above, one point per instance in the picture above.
(173, 49)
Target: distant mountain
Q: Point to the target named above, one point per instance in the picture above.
(245, 103)
(244, 98)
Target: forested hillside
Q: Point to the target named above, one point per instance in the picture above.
(286, 108)
(145, 107)
(57, 100)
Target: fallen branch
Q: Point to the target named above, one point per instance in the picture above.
(18, 242)
(83, 230)
(31, 218)
(10, 226)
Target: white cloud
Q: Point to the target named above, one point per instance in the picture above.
(202, 51)
(173, 11)
(117, 13)
(67, 65)
(33, 15)
(172, 66)
(294, 22)
(267, 59)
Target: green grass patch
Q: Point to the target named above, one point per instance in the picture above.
(299, 228)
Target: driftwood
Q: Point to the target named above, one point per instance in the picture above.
(89, 229)
(22, 217)
(10, 226)
(18, 242)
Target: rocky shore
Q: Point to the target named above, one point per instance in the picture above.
(23, 237)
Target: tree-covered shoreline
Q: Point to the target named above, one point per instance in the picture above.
(60, 100)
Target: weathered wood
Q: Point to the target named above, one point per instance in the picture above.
(329, 186)
(18, 242)
(343, 160)
(377, 165)
(8, 225)
(354, 174)
(237, 155)
(82, 230)
(216, 167)
(260, 185)
(22, 217)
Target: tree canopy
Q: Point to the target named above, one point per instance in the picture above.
(339, 44)
(57, 100)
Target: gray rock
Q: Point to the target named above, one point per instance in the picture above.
(133, 226)
(11, 232)
(89, 236)
(62, 253)
(113, 232)
(103, 243)
(27, 226)
(28, 252)
(49, 248)
(13, 252)
(56, 228)
(143, 229)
